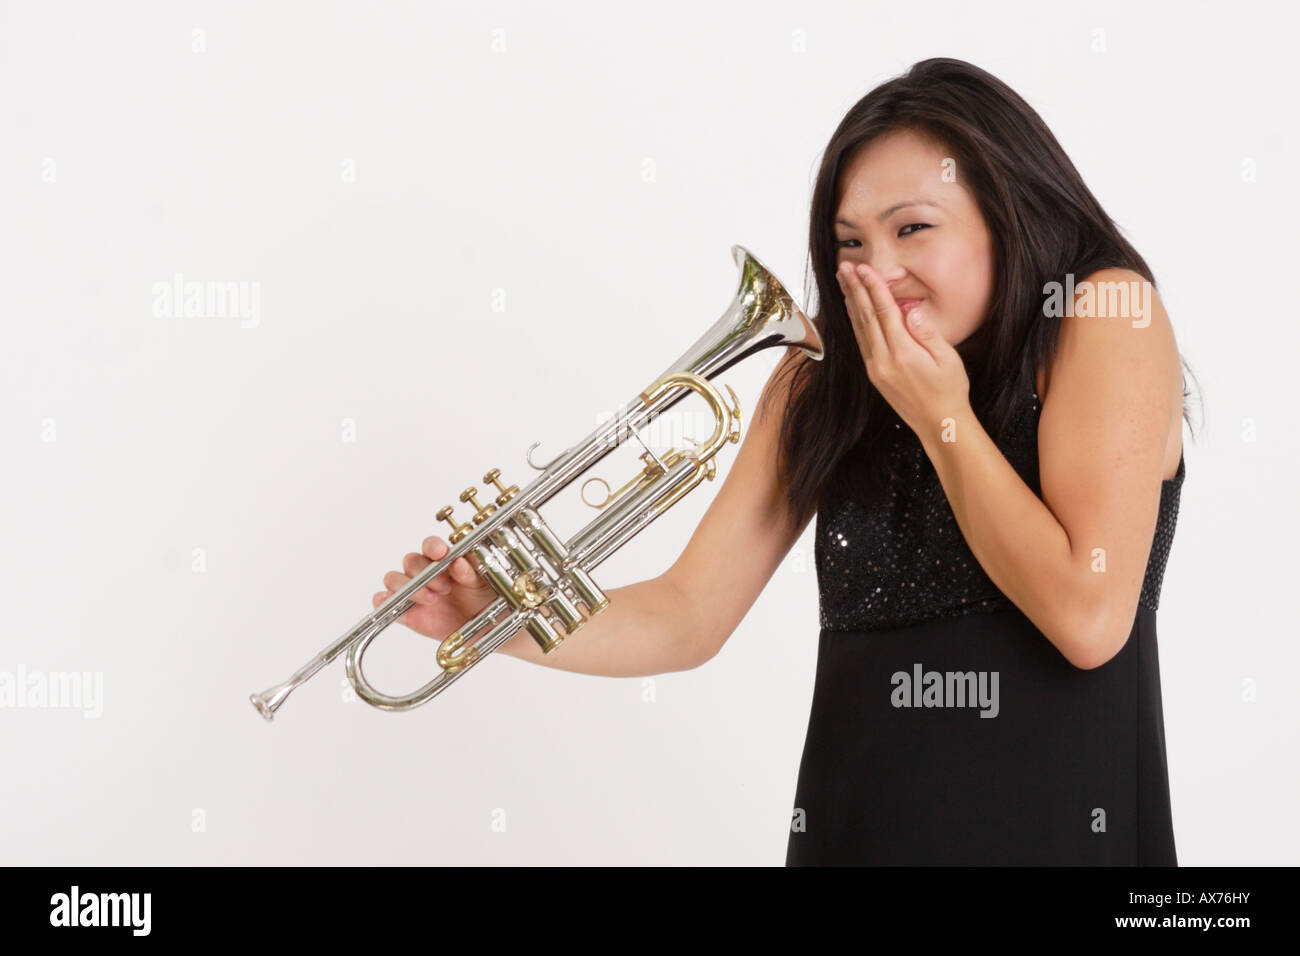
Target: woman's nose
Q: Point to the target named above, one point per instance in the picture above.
(886, 267)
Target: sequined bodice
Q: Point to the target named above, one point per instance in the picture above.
(903, 559)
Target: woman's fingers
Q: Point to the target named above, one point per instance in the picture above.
(413, 564)
(434, 548)
(857, 300)
(461, 572)
(396, 580)
(457, 587)
(888, 317)
(851, 307)
(418, 618)
(379, 597)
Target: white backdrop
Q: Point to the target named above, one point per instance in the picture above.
(468, 227)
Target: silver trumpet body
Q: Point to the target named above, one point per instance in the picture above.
(544, 584)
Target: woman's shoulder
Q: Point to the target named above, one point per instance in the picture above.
(1116, 332)
(1107, 308)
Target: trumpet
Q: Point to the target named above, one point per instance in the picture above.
(544, 584)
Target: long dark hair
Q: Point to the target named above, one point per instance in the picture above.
(1044, 223)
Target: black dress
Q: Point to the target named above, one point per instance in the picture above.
(945, 728)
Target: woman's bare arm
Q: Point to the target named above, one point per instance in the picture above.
(645, 630)
(675, 621)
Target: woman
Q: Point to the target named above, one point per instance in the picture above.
(993, 447)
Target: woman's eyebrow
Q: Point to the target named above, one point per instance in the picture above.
(840, 221)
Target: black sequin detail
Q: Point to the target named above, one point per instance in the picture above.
(903, 559)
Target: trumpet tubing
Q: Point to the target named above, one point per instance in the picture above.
(544, 584)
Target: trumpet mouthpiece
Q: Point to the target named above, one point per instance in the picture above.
(269, 701)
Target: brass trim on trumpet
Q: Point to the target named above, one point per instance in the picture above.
(525, 589)
(453, 655)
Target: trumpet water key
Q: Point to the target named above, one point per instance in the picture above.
(543, 582)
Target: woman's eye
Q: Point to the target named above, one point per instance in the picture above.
(843, 243)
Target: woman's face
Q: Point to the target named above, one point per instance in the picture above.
(939, 251)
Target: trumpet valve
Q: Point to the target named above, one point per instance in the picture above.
(458, 531)
(494, 477)
(482, 512)
(566, 611)
(544, 633)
